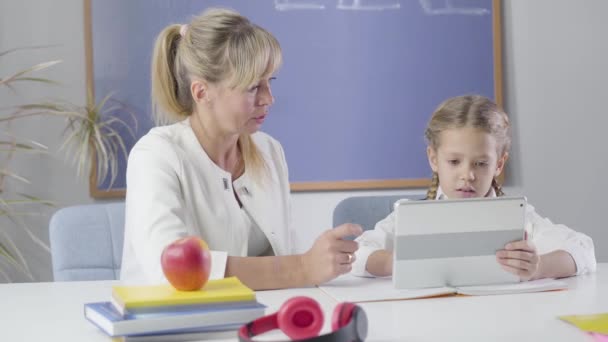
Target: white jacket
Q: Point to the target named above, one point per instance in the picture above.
(545, 235)
(174, 189)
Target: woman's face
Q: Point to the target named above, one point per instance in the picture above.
(241, 111)
(466, 162)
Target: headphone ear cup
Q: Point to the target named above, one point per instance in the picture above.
(300, 318)
(342, 315)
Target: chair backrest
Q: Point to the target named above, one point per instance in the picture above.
(367, 210)
(86, 241)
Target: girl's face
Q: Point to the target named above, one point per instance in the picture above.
(241, 111)
(466, 162)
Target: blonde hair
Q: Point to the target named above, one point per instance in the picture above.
(218, 45)
(469, 111)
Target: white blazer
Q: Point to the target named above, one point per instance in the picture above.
(174, 189)
(546, 236)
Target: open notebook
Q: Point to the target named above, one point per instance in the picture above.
(348, 288)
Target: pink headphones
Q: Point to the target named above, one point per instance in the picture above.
(301, 318)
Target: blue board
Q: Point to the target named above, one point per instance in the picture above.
(359, 80)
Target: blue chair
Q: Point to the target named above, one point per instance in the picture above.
(367, 210)
(86, 242)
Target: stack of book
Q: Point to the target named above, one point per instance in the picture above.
(160, 312)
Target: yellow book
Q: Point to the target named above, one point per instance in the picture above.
(217, 292)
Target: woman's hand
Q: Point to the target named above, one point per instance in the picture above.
(330, 255)
(520, 258)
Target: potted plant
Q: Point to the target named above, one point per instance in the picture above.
(92, 136)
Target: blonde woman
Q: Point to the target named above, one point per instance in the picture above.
(211, 173)
(468, 144)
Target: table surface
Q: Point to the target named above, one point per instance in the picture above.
(53, 311)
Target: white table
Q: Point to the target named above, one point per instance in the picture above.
(54, 312)
(520, 317)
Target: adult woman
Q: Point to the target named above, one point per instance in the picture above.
(212, 174)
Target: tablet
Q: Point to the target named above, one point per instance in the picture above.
(454, 242)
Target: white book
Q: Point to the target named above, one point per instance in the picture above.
(215, 333)
(349, 288)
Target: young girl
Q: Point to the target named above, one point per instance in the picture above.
(468, 144)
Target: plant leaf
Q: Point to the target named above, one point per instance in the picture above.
(24, 48)
(37, 67)
(17, 260)
(36, 79)
(26, 228)
(5, 253)
(4, 275)
(13, 175)
(22, 147)
(34, 199)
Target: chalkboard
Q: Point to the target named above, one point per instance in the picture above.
(357, 86)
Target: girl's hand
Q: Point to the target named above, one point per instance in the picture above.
(330, 255)
(520, 258)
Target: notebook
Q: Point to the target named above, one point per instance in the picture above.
(142, 299)
(594, 323)
(349, 288)
(454, 242)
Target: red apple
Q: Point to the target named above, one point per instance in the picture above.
(187, 263)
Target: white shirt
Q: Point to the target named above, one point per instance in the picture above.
(546, 236)
(174, 189)
(258, 243)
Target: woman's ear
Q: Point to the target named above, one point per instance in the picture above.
(432, 156)
(199, 91)
(500, 164)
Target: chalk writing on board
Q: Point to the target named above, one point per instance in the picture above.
(352, 5)
(290, 5)
(430, 7)
(361, 5)
(447, 7)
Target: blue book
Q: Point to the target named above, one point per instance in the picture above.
(109, 320)
(211, 333)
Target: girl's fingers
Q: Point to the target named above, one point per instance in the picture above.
(524, 245)
(519, 255)
(516, 263)
(513, 270)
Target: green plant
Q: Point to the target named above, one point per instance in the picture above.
(91, 137)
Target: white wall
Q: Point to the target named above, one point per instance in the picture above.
(554, 72)
(556, 76)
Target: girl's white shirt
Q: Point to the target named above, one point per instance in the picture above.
(174, 190)
(546, 236)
